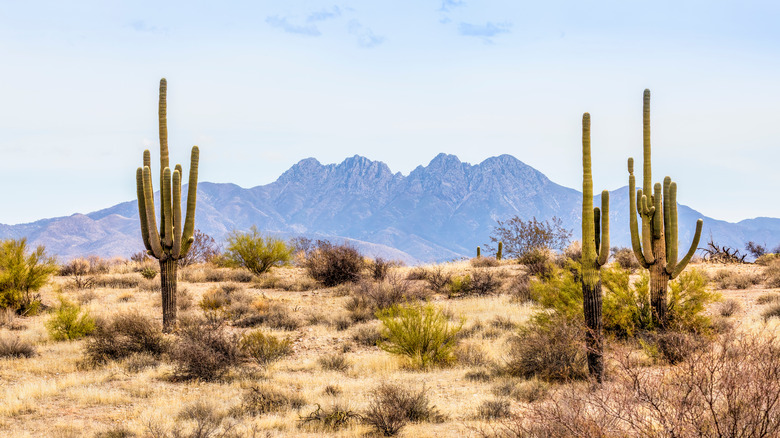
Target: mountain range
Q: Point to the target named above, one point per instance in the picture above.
(438, 212)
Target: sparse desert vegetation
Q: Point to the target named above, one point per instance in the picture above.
(399, 355)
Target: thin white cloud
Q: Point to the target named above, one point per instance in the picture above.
(485, 31)
(283, 24)
(365, 36)
(325, 14)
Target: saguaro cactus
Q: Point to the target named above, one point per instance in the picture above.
(173, 240)
(656, 247)
(500, 252)
(479, 252)
(595, 253)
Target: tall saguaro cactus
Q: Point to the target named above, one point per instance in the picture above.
(595, 253)
(173, 240)
(656, 247)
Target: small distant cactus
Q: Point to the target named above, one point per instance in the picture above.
(479, 252)
(500, 252)
(173, 240)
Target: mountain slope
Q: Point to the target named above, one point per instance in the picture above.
(438, 212)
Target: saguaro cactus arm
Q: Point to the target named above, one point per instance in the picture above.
(139, 185)
(192, 194)
(636, 243)
(176, 201)
(681, 265)
(603, 250)
(151, 222)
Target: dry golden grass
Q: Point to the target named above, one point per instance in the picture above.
(56, 394)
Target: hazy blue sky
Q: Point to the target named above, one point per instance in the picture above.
(261, 85)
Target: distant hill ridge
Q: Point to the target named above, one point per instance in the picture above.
(438, 212)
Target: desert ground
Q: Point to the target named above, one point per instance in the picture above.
(334, 361)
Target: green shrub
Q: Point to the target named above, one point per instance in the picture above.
(148, 273)
(627, 309)
(688, 298)
(550, 347)
(263, 348)
(421, 333)
(22, 274)
(69, 322)
(560, 291)
(255, 252)
(125, 335)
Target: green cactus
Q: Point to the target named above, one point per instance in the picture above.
(595, 253)
(479, 252)
(656, 247)
(173, 240)
(500, 252)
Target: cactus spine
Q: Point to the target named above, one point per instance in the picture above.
(173, 240)
(595, 253)
(500, 252)
(656, 247)
(479, 252)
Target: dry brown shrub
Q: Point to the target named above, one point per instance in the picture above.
(729, 279)
(15, 347)
(123, 335)
(731, 388)
(392, 406)
(551, 350)
(484, 262)
(204, 351)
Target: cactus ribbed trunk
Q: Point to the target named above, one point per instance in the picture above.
(593, 337)
(168, 288)
(659, 280)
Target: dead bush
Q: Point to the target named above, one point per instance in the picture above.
(15, 347)
(729, 308)
(538, 262)
(768, 298)
(123, 335)
(471, 354)
(484, 262)
(334, 264)
(204, 351)
(392, 406)
(625, 258)
(527, 391)
(550, 349)
(495, 409)
(334, 362)
(729, 389)
(334, 417)
(368, 335)
(438, 279)
(379, 268)
(263, 399)
(772, 274)
(772, 311)
(520, 288)
(728, 279)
